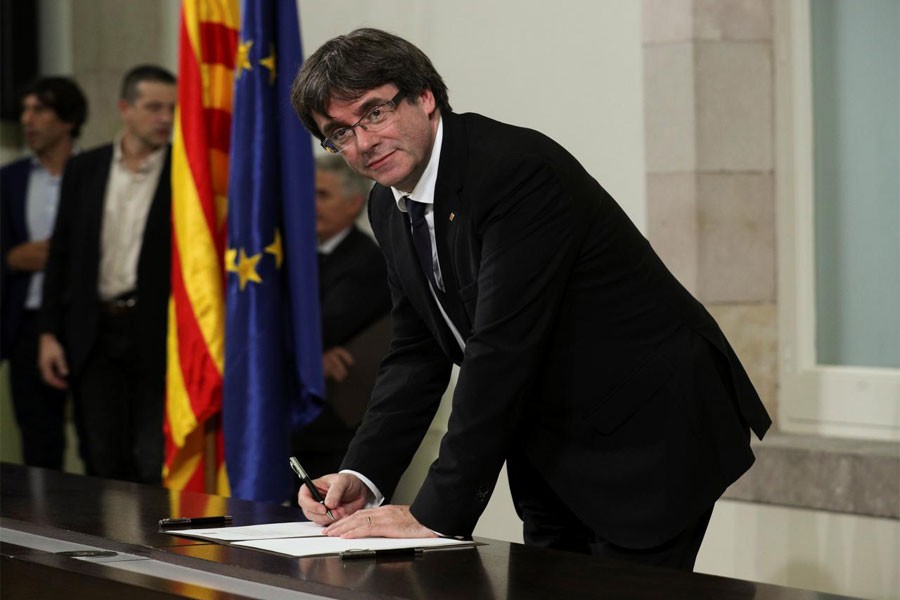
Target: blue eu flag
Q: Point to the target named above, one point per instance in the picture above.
(273, 347)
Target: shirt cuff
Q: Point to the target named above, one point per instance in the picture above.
(379, 497)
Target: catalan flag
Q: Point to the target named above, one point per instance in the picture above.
(196, 341)
(273, 348)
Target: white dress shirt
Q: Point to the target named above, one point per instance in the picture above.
(41, 204)
(424, 193)
(328, 246)
(129, 195)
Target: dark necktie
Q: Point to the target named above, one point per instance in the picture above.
(421, 237)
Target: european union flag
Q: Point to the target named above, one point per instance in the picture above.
(273, 347)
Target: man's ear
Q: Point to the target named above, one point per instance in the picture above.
(123, 106)
(426, 97)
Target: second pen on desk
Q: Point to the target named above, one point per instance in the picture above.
(305, 480)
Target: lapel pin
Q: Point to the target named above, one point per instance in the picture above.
(452, 216)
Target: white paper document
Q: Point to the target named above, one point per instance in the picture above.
(268, 531)
(324, 546)
(305, 539)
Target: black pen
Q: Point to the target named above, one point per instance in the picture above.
(410, 552)
(304, 478)
(191, 521)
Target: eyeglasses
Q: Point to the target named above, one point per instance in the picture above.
(375, 119)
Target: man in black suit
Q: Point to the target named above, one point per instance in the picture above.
(353, 294)
(103, 318)
(620, 408)
(53, 111)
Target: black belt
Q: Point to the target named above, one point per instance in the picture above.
(120, 305)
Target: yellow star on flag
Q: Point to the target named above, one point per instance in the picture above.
(246, 269)
(230, 255)
(269, 63)
(242, 60)
(275, 249)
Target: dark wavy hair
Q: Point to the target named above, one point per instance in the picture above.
(348, 66)
(63, 96)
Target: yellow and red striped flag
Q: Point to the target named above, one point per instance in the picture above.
(196, 336)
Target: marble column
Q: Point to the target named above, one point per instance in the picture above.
(709, 102)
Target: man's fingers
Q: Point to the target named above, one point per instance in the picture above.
(54, 381)
(60, 365)
(358, 525)
(336, 361)
(344, 355)
(54, 371)
(392, 521)
(334, 367)
(335, 493)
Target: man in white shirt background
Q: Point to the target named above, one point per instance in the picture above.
(103, 318)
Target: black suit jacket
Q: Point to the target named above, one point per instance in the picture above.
(70, 308)
(354, 295)
(583, 353)
(13, 231)
(353, 288)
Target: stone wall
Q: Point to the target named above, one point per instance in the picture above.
(708, 107)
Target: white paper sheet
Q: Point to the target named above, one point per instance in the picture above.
(266, 531)
(319, 546)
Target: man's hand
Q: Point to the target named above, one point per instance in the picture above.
(29, 256)
(336, 363)
(344, 495)
(391, 521)
(52, 362)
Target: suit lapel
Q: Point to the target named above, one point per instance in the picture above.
(409, 269)
(95, 202)
(446, 208)
(156, 238)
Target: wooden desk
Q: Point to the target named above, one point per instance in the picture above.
(44, 512)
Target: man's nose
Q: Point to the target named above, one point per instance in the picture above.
(365, 139)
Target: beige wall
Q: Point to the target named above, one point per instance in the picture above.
(575, 77)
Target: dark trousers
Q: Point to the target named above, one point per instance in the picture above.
(40, 409)
(119, 406)
(548, 523)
